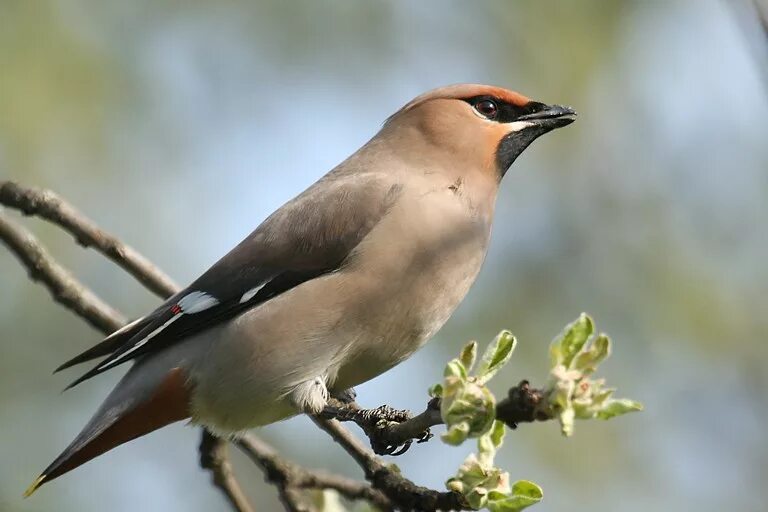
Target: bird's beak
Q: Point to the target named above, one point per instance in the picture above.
(527, 128)
(551, 117)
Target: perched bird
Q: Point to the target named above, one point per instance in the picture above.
(337, 286)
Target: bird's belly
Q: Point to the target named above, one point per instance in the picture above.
(397, 318)
(395, 333)
(232, 388)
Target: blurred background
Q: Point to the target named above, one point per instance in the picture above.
(179, 126)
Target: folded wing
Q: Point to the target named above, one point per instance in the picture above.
(308, 237)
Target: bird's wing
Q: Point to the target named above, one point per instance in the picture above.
(310, 236)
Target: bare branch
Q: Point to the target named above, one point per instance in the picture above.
(215, 458)
(49, 206)
(414, 428)
(392, 431)
(64, 288)
(523, 404)
(402, 492)
(289, 477)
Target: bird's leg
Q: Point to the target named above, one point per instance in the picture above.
(346, 396)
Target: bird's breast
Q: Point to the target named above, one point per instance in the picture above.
(410, 275)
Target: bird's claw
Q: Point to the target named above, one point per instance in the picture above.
(381, 447)
(425, 436)
(381, 443)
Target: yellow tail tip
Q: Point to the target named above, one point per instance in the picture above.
(32, 488)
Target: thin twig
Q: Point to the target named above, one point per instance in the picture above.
(215, 458)
(49, 206)
(523, 404)
(405, 494)
(286, 475)
(415, 427)
(64, 288)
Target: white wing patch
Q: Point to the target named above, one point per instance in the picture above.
(196, 302)
(250, 294)
(138, 345)
(192, 303)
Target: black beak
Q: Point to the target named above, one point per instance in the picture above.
(541, 119)
(551, 116)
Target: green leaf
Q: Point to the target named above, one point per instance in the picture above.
(454, 484)
(566, 418)
(528, 489)
(467, 403)
(468, 355)
(497, 434)
(456, 433)
(476, 498)
(496, 355)
(588, 360)
(602, 396)
(618, 407)
(436, 390)
(489, 443)
(326, 500)
(455, 368)
(564, 348)
(524, 494)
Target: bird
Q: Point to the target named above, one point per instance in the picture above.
(334, 288)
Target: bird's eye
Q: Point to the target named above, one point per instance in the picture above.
(487, 109)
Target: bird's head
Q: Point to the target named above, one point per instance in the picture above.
(478, 124)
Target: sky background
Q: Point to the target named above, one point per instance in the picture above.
(179, 126)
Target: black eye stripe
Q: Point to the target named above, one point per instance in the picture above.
(506, 112)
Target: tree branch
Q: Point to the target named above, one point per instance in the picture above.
(49, 206)
(523, 404)
(215, 458)
(64, 288)
(392, 431)
(288, 477)
(402, 492)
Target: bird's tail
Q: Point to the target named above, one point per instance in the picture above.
(139, 404)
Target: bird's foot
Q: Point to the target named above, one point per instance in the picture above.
(378, 425)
